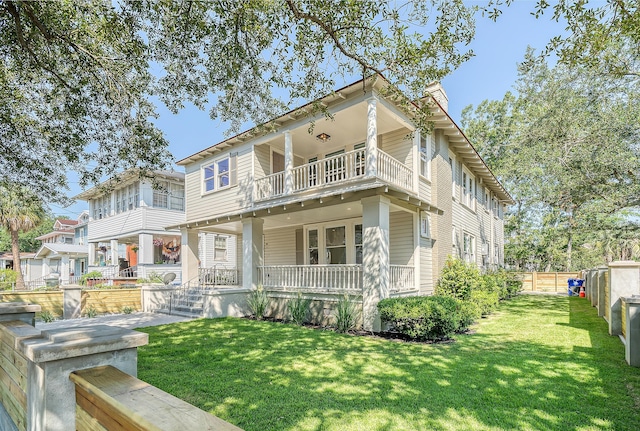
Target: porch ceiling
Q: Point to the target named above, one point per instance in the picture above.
(347, 127)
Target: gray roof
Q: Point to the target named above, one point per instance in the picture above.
(53, 249)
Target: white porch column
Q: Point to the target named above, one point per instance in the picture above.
(189, 254)
(46, 266)
(145, 249)
(624, 280)
(375, 258)
(91, 254)
(371, 145)
(251, 251)
(114, 252)
(288, 163)
(64, 270)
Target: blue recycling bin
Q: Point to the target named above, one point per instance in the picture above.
(573, 285)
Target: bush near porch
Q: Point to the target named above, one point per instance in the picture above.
(462, 296)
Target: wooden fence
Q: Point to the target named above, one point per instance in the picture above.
(547, 281)
(102, 301)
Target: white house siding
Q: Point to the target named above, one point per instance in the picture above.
(399, 145)
(280, 246)
(228, 200)
(426, 267)
(129, 222)
(206, 251)
(424, 190)
(262, 163)
(401, 238)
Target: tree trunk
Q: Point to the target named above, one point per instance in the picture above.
(15, 249)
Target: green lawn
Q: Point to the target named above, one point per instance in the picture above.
(539, 363)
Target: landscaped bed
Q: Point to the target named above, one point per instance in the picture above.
(539, 363)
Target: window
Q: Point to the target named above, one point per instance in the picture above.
(469, 248)
(454, 241)
(452, 165)
(102, 207)
(358, 243)
(313, 247)
(133, 195)
(220, 248)
(487, 201)
(468, 189)
(494, 204)
(336, 245)
(425, 225)
(169, 195)
(425, 155)
(219, 175)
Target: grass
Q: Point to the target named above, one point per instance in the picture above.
(538, 363)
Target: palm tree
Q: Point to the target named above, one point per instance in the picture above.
(20, 211)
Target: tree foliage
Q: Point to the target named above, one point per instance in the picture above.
(566, 146)
(20, 211)
(600, 35)
(78, 77)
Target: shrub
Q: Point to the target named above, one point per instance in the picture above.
(127, 309)
(88, 275)
(46, 316)
(298, 308)
(346, 314)
(468, 313)
(91, 312)
(458, 279)
(421, 317)
(258, 302)
(8, 279)
(486, 300)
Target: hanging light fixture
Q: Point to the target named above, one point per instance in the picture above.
(323, 137)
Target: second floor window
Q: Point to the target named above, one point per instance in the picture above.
(169, 195)
(425, 155)
(219, 174)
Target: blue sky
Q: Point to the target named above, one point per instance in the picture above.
(498, 47)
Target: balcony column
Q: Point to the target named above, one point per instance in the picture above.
(371, 145)
(251, 251)
(145, 249)
(64, 270)
(189, 255)
(91, 254)
(375, 258)
(114, 252)
(288, 163)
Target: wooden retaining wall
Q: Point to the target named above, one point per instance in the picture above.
(103, 301)
(51, 301)
(13, 377)
(547, 281)
(111, 300)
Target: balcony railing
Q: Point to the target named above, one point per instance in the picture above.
(347, 277)
(341, 168)
(211, 277)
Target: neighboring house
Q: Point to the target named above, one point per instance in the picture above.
(31, 267)
(126, 235)
(60, 256)
(364, 204)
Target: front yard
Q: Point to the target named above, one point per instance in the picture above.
(539, 363)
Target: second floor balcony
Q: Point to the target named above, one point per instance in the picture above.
(342, 169)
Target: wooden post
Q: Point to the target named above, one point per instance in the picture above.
(534, 281)
(556, 281)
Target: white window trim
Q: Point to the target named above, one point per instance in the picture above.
(468, 247)
(425, 225)
(349, 225)
(216, 175)
(425, 156)
(468, 195)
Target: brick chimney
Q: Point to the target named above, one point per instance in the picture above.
(438, 93)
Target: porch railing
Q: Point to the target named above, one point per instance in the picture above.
(401, 278)
(348, 277)
(337, 169)
(210, 277)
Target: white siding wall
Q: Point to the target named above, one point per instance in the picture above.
(206, 251)
(399, 146)
(262, 162)
(401, 238)
(426, 266)
(280, 246)
(131, 222)
(228, 200)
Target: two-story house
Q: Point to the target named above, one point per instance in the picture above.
(126, 236)
(60, 256)
(362, 202)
